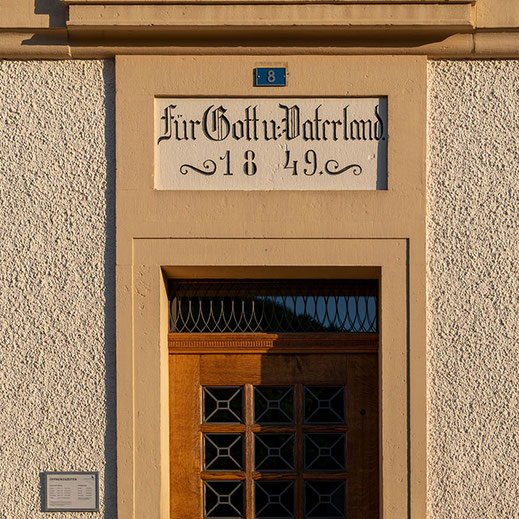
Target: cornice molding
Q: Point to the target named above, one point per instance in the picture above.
(63, 45)
(290, 17)
(106, 28)
(249, 2)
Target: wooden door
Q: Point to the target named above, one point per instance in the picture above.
(274, 435)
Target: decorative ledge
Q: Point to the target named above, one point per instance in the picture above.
(111, 18)
(200, 343)
(195, 2)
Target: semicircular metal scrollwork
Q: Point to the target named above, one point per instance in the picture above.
(332, 168)
(305, 306)
(209, 168)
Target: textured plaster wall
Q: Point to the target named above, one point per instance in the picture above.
(473, 289)
(57, 261)
(57, 361)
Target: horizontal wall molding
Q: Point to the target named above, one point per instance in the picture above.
(107, 28)
(407, 17)
(62, 45)
(196, 2)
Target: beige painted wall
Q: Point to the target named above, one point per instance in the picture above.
(205, 219)
(57, 262)
(473, 287)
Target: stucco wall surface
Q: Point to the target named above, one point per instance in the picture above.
(473, 289)
(57, 258)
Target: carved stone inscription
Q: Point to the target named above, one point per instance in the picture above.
(271, 144)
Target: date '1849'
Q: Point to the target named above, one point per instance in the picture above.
(309, 165)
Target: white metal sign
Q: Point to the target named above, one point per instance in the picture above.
(271, 143)
(71, 491)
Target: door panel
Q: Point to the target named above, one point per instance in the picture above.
(185, 452)
(295, 432)
(272, 369)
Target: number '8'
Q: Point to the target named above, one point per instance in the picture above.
(271, 76)
(249, 166)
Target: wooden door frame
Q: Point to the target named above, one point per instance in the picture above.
(143, 415)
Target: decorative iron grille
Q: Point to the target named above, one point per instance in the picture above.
(273, 306)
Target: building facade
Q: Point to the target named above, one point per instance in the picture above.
(149, 179)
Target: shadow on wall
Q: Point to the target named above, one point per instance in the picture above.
(109, 495)
(382, 160)
(56, 10)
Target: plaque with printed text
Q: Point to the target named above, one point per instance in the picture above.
(267, 144)
(71, 491)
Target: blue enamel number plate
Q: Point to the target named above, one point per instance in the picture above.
(270, 77)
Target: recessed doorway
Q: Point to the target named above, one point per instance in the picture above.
(274, 399)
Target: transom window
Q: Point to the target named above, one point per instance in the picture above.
(288, 306)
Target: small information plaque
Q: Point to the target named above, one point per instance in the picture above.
(71, 491)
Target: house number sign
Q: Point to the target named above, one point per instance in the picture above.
(271, 143)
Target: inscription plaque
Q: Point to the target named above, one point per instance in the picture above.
(271, 143)
(71, 491)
